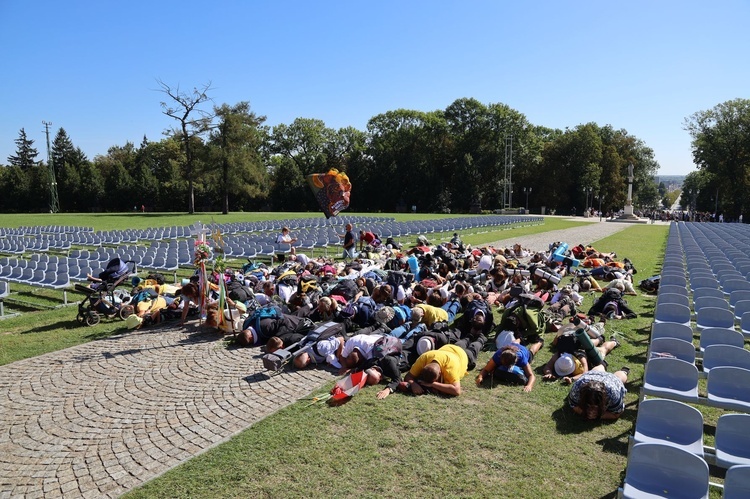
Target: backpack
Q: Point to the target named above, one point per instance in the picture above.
(391, 264)
(376, 277)
(267, 312)
(386, 345)
(525, 317)
(398, 278)
(650, 285)
(307, 284)
(145, 295)
(365, 311)
(238, 292)
(401, 316)
(346, 288)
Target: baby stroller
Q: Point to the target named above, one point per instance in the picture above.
(100, 298)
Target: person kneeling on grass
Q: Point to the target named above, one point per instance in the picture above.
(599, 395)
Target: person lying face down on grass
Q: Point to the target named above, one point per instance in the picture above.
(440, 371)
(512, 363)
(599, 394)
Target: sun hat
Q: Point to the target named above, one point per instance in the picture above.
(425, 344)
(385, 315)
(565, 365)
(133, 321)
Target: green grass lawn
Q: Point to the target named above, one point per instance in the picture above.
(487, 442)
(495, 441)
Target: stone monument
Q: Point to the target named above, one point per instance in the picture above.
(628, 215)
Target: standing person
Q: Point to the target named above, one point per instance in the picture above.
(350, 244)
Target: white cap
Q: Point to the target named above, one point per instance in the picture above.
(425, 344)
(565, 365)
(333, 360)
(327, 347)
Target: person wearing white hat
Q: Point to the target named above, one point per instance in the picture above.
(571, 365)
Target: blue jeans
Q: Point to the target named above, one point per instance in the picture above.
(405, 331)
(453, 307)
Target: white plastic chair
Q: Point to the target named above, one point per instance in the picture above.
(720, 336)
(678, 298)
(663, 421)
(722, 355)
(728, 388)
(672, 330)
(672, 379)
(672, 312)
(709, 301)
(658, 470)
(737, 482)
(732, 440)
(681, 349)
(714, 317)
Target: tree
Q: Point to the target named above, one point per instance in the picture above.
(26, 153)
(235, 146)
(301, 149)
(721, 148)
(62, 151)
(193, 122)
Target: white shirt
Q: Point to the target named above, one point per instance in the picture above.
(362, 342)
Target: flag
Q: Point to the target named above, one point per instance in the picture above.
(331, 190)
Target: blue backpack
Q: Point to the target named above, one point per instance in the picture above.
(267, 312)
(401, 316)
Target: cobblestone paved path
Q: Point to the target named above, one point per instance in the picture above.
(98, 419)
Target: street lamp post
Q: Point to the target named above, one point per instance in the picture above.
(527, 191)
(600, 206)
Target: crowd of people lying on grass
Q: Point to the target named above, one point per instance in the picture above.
(416, 319)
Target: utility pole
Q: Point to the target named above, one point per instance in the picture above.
(54, 200)
(508, 184)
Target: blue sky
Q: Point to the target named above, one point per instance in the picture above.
(91, 67)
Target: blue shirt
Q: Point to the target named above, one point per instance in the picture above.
(523, 357)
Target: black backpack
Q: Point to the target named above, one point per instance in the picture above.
(346, 288)
(398, 278)
(650, 285)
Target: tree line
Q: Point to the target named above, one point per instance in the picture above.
(457, 159)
